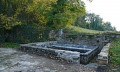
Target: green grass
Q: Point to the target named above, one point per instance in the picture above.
(78, 30)
(115, 52)
(13, 45)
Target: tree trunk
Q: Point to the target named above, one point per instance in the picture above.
(0, 6)
(9, 9)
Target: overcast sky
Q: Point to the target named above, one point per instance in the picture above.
(109, 10)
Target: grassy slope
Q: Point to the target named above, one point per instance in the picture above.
(78, 30)
(115, 51)
(115, 44)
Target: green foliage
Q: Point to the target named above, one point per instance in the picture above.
(65, 12)
(10, 45)
(94, 22)
(8, 22)
(27, 34)
(2, 36)
(108, 27)
(24, 21)
(78, 30)
(23, 34)
(97, 23)
(10, 9)
(0, 6)
(80, 21)
(115, 51)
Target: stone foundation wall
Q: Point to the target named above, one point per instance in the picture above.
(97, 40)
(85, 59)
(67, 55)
(83, 39)
(103, 55)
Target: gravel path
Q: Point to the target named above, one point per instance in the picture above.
(12, 60)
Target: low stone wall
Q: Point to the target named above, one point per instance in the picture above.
(74, 55)
(67, 55)
(83, 39)
(86, 39)
(85, 59)
(103, 55)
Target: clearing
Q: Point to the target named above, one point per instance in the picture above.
(12, 60)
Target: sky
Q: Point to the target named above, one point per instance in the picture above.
(109, 10)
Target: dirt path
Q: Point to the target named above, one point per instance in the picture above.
(12, 60)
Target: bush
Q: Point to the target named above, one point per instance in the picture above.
(23, 34)
(2, 36)
(10, 45)
(27, 34)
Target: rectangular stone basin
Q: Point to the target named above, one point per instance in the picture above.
(78, 48)
(86, 52)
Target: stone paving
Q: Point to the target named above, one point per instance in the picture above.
(12, 60)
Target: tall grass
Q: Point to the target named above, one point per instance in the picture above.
(78, 30)
(115, 52)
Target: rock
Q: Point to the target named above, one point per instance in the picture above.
(69, 55)
(103, 55)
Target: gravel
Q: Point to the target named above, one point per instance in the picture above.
(12, 60)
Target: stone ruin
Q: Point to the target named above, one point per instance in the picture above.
(71, 52)
(75, 48)
(103, 55)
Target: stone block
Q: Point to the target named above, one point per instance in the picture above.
(107, 45)
(103, 55)
(103, 61)
(69, 55)
(105, 49)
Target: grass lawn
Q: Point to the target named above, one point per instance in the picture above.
(13, 45)
(115, 52)
(78, 30)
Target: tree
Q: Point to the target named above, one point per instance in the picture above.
(9, 12)
(80, 21)
(94, 20)
(0, 6)
(108, 27)
(65, 12)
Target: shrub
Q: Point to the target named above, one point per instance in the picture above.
(2, 36)
(10, 45)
